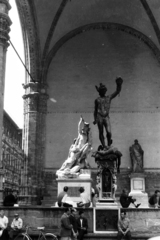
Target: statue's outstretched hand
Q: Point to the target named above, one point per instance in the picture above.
(119, 81)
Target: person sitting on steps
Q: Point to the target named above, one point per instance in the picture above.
(126, 200)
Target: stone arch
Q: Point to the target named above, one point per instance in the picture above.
(95, 26)
(30, 31)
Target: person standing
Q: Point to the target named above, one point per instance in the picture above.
(73, 221)
(123, 227)
(66, 226)
(82, 225)
(3, 226)
(16, 226)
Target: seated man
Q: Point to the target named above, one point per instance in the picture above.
(154, 200)
(62, 197)
(16, 226)
(3, 226)
(10, 199)
(85, 200)
(123, 227)
(126, 200)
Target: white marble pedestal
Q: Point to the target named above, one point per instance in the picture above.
(73, 185)
(137, 181)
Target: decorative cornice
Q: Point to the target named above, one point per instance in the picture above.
(31, 95)
(96, 26)
(35, 101)
(31, 85)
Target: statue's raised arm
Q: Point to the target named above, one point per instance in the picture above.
(119, 82)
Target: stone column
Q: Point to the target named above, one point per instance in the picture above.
(30, 130)
(41, 140)
(5, 23)
(35, 106)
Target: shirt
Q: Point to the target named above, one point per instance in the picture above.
(60, 197)
(17, 223)
(123, 224)
(81, 221)
(85, 197)
(3, 222)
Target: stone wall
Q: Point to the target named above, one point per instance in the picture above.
(143, 221)
(83, 62)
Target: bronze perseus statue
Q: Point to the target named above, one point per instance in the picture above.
(101, 111)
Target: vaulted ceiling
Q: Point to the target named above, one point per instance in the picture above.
(47, 25)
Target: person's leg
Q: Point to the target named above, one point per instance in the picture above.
(118, 164)
(67, 205)
(11, 233)
(5, 235)
(80, 204)
(119, 236)
(81, 234)
(128, 235)
(132, 200)
(126, 203)
(86, 205)
(101, 136)
(14, 233)
(107, 126)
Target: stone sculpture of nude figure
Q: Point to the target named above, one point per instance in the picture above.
(78, 151)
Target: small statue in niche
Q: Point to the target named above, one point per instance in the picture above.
(114, 186)
(101, 111)
(136, 154)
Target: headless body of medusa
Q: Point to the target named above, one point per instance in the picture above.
(101, 111)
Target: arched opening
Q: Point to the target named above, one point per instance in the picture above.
(15, 71)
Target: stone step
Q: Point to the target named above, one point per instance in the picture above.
(48, 203)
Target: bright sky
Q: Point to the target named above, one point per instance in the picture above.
(15, 71)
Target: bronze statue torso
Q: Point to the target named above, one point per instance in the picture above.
(103, 106)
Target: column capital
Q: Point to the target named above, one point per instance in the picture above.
(31, 102)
